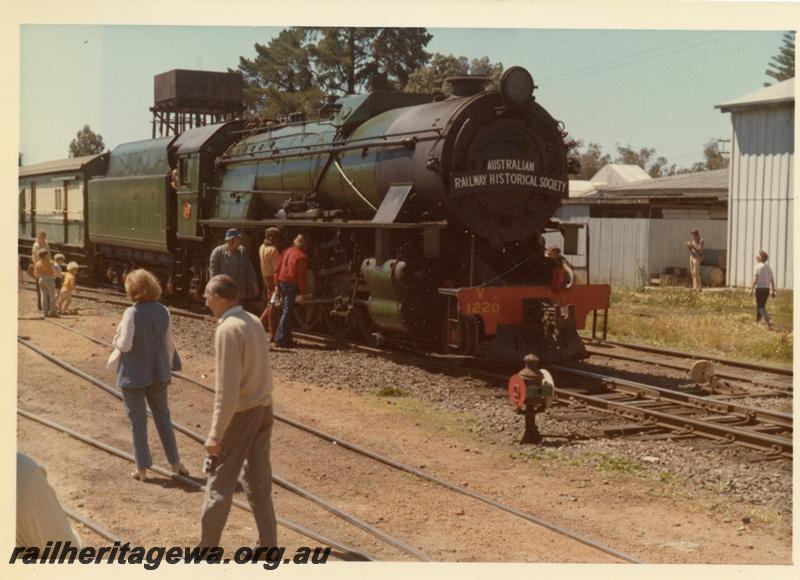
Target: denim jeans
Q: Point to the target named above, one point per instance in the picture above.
(136, 401)
(762, 294)
(289, 292)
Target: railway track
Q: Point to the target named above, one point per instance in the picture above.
(595, 347)
(349, 518)
(652, 408)
(345, 551)
(675, 362)
(777, 370)
(360, 450)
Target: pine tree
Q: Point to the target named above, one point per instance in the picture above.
(86, 142)
(299, 67)
(782, 64)
(430, 78)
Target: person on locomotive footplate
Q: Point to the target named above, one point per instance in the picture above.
(231, 258)
(143, 356)
(563, 274)
(269, 255)
(241, 424)
(291, 276)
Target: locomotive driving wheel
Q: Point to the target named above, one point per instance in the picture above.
(339, 315)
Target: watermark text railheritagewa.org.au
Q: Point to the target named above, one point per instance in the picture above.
(151, 558)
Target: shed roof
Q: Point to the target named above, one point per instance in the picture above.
(580, 187)
(617, 174)
(700, 182)
(782, 92)
(58, 166)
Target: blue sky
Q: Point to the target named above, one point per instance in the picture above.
(643, 88)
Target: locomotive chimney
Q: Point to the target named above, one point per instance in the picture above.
(468, 85)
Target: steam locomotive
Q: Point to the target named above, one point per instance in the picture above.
(424, 213)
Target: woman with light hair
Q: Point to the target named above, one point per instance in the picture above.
(144, 355)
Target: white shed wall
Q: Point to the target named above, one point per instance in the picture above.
(618, 251)
(668, 241)
(761, 200)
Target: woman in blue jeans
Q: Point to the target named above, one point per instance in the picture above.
(145, 354)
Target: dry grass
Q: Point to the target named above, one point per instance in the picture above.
(714, 322)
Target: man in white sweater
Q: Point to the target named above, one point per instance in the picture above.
(242, 421)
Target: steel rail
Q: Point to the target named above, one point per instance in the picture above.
(681, 354)
(784, 389)
(95, 527)
(661, 393)
(343, 548)
(715, 431)
(687, 425)
(408, 469)
(710, 430)
(349, 518)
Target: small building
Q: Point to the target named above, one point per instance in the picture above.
(624, 235)
(761, 203)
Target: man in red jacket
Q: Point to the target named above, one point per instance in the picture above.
(291, 278)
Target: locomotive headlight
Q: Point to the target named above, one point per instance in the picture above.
(516, 86)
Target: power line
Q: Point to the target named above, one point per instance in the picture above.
(614, 60)
(602, 70)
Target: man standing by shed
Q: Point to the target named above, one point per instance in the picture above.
(231, 258)
(241, 424)
(696, 246)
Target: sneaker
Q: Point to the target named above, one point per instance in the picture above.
(139, 475)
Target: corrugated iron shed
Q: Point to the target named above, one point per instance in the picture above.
(761, 204)
(708, 183)
(780, 93)
(73, 164)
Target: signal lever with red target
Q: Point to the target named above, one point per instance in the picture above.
(531, 390)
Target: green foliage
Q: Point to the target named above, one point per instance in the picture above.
(781, 66)
(86, 142)
(297, 68)
(644, 158)
(280, 79)
(589, 161)
(714, 158)
(430, 78)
